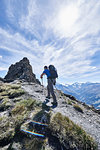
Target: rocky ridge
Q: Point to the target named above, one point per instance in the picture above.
(22, 102)
(72, 125)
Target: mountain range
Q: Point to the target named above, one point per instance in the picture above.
(85, 92)
(29, 121)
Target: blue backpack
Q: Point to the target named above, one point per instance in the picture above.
(53, 72)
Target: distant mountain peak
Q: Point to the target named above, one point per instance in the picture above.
(86, 92)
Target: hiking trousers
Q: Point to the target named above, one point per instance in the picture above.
(51, 90)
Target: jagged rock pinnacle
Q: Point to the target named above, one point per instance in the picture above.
(21, 70)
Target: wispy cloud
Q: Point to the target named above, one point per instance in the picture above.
(2, 69)
(67, 35)
(0, 57)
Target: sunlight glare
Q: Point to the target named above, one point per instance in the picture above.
(67, 17)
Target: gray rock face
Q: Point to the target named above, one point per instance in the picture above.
(21, 70)
(1, 79)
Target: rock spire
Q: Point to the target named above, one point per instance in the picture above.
(21, 70)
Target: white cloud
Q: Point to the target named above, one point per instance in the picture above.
(9, 10)
(63, 21)
(75, 18)
(30, 21)
(77, 22)
(3, 69)
(0, 57)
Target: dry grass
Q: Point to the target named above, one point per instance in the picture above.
(78, 108)
(19, 110)
(71, 134)
(69, 102)
(11, 90)
(24, 106)
(15, 93)
(34, 144)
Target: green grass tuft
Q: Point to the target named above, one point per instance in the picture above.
(11, 90)
(34, 144)
(24, 106)
(15, 86)
(15, 93)
(19, 110)
(69, 102)
(78, 108)
(71, 134)
(30, 103)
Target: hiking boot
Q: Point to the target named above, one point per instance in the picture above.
(54, 103)
(48, 97)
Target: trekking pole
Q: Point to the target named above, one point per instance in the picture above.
(42, 85)
(55, 87)
(42, 81)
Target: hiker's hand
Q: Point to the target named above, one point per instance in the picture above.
(41, 77)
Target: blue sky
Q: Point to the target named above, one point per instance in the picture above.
(65, 33)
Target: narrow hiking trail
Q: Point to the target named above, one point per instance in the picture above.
(88, 120)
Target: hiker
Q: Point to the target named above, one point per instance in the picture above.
(51, 81)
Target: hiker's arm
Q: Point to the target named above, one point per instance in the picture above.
(42, 75)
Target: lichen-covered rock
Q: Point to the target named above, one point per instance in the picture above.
(21, 70)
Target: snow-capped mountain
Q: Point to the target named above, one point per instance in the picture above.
(85, 92)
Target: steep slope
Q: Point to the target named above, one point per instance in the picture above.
(89, 120)
(85, 92)
(22, 102)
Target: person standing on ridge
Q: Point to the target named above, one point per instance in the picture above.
(50, 88)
